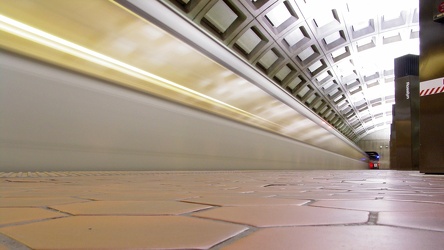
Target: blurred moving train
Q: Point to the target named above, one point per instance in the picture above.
(114, 93)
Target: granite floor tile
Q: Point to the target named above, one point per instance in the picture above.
(130, 208)
(316, 209)
(244, 200)
(429, 220)
(357, 196)
(378, 205)
(433, 192)
(14, 215)
(37, 201)
(123, 232)
(306, 196)
(415, 197)
(334, 237)
(35, 193)
(146, 195)
(288, 215)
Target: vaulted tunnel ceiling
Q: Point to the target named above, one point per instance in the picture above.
(336, 57)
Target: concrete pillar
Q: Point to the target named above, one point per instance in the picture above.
(406, 113)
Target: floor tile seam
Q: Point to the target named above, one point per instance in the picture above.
(46, 206)
(404, 201)
(409, 228)
(371, 211)
(18, 224)
(83, 200)
(427, 202)
(194, 214)
(249, 205)
(49, 208)
(229, 241)
(190, 214)
(27, 222)
(352, 224)
(12, 243)
(347, 209)
(200, 203)
(277, 226)
(308, 204)
(218, 220)
(121, 214)
(343, 225)
(249, 228)
(372, 218)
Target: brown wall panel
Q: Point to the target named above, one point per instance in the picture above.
(432, 134)
(431, 66)
(403, 145)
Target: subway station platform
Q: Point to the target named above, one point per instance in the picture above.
(379, 209)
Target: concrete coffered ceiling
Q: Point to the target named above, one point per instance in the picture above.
(335, 57)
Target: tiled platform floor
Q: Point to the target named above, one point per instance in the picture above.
(222, 210)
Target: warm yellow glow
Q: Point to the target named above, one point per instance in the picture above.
(22, 30)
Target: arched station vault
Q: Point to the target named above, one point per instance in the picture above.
(118, 46)
(335, 57)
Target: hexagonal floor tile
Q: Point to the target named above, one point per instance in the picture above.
(130, 208)
(244, 200)
(289, 215)
(139, 196)
(19, 214)
(430, 220)
(37, 201)
(378, 205)
(123, 232)
(421, 198)
(331, 237)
